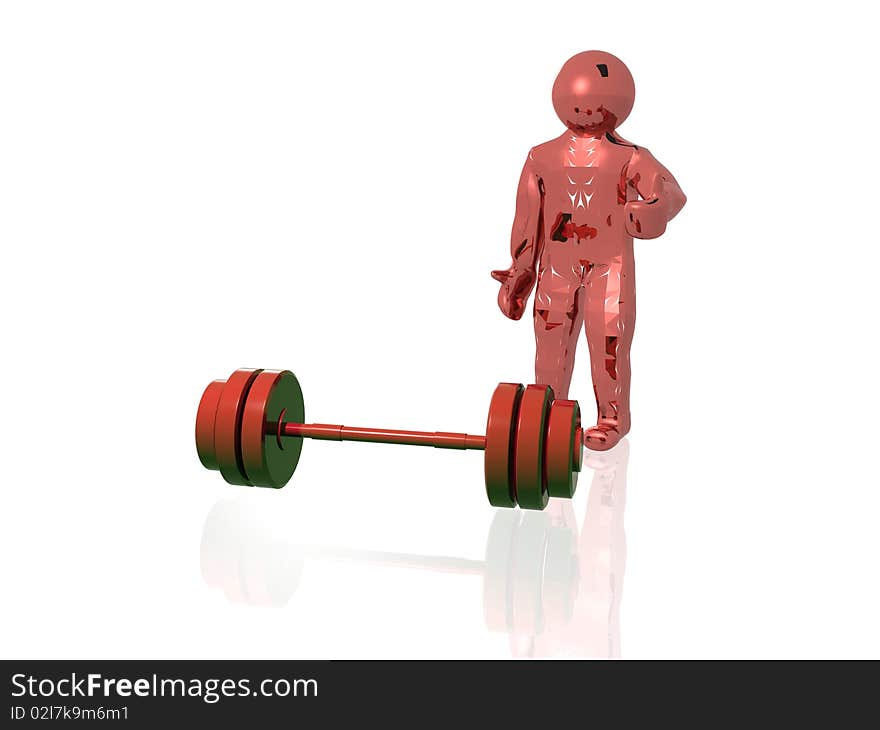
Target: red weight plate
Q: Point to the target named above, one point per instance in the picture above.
(205, 418)
(227, 426)
(500, 435)
(530, 478)
(269, 457)
(559, 454)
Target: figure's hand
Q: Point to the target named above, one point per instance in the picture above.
(515, 290)
(645, 218)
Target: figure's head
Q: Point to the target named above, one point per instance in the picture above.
(593, 93)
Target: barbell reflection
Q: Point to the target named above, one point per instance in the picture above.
(554, 587)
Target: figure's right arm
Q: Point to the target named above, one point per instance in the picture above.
(526, 239)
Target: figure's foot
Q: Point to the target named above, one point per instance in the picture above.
(605, 434)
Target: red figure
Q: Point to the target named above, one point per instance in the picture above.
(582, 198)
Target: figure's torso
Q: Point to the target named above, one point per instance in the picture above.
(584, 185)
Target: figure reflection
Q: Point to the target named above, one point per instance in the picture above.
(553, 587)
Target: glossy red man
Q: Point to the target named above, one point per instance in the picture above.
(582, 198)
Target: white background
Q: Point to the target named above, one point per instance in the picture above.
(191, 187)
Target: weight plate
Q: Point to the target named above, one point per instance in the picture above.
(205, 418)
(578, 446)
(227, 426)
(530, 477)
(269, 457)
(562, 426)
(500, 439)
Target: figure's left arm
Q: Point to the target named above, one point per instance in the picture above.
(661, 195)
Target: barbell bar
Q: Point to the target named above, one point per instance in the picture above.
(250, 427)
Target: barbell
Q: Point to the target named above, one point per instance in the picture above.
(250, 427)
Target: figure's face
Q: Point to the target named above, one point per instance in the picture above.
(593, 93)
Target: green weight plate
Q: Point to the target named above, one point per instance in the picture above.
(227, 426)
(500, 439)
(561, 447)
(269, 457)
(531, 430)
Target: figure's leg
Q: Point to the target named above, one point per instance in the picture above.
(610, 315)
(558, 320)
